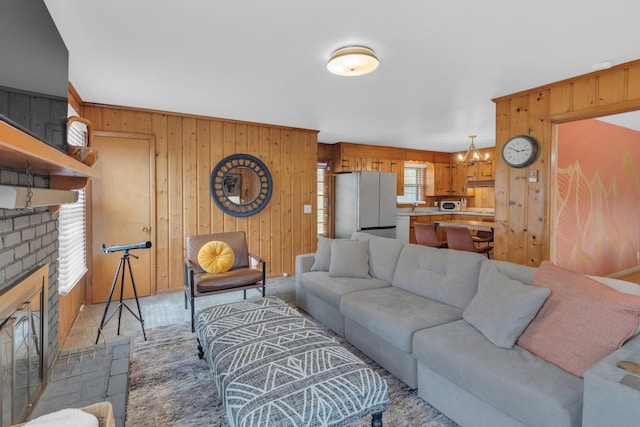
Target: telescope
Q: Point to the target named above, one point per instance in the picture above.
(127, 247)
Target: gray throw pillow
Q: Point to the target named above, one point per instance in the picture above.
(503, 308)
(323, 255)
(349, 258)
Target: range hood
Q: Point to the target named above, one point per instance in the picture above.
(481, 184)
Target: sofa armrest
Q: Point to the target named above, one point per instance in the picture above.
(303, 265)
(606, 401)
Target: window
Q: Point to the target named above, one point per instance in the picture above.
(72, 257)
(322, 199)
(415, 183)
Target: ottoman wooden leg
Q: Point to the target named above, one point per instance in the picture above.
(376, 420)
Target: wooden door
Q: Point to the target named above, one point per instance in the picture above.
(123, 212)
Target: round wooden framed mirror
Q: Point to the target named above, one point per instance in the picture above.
(240, 185)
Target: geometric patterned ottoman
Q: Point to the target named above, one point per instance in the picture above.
(274, 367)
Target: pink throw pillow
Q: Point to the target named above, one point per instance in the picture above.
(581, 322)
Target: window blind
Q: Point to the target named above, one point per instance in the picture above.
(72, 239)
(72, 255)
(415, 183)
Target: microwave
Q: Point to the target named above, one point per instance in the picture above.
(451, 205)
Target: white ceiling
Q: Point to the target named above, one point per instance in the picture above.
(441, 63)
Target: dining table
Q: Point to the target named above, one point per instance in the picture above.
(470, 224)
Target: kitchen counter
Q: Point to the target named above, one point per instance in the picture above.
(433, 212)
(404, 219)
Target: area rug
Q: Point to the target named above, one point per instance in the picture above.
(170, 386)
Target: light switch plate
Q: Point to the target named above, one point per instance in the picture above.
(533, 175)
(307, 208)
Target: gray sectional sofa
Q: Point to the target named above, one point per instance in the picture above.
(415, 312)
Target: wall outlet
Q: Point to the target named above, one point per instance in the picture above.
(435, 203)
(307, 209)
(533, 175)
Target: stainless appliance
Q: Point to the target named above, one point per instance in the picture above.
(365, 201)
(451, 205)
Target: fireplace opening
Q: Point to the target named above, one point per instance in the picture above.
(23, 345)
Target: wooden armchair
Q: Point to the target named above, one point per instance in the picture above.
(241, 276)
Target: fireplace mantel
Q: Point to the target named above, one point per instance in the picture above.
(19, 150)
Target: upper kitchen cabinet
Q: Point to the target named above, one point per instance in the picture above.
(481, 171)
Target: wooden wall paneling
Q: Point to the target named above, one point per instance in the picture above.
(216, 144)
(537, 235)
(560, 99)
(308, 191)
(242, 224)
(584, 94)
(162, 243)
(502, 189)
(74, 99)
(229, 129)
(127, 121)
(111, 118)
(187, 148)
(253, 148)
(633, 82)
(600, 93)
(611, 87)
(271, 232)
(287, 197)
(143, 122)
(294, 226)
(518, 197)
(175, 211)
(203, 164)
(189, 177)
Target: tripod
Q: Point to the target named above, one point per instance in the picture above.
(123, 260)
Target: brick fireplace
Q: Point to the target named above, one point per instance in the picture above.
(28, 240)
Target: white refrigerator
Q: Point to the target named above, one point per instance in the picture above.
(365, 201)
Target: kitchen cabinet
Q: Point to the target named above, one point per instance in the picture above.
(427, 219)
(459, 177)
(442, 179)
(397, 166)
(481, 171)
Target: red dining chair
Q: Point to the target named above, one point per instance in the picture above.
(426, 235)
(459, 238)
(482, 236)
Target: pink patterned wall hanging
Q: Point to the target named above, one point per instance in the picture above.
(597, 229)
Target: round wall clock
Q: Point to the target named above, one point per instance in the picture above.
(521, 151)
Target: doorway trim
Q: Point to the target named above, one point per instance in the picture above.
(151, 139)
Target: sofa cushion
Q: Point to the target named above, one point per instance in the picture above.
(515, 382)
(443, 275)
(394, 314)
(503, 307)
(331, 289)
(383, 255)
(322, 258)
(349, 258)
(581, 322)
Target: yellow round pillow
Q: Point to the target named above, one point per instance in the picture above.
(216, 257)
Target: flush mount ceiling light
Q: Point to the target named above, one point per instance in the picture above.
(352, 61)
(472, 156)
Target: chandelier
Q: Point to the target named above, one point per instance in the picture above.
(472, 156)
